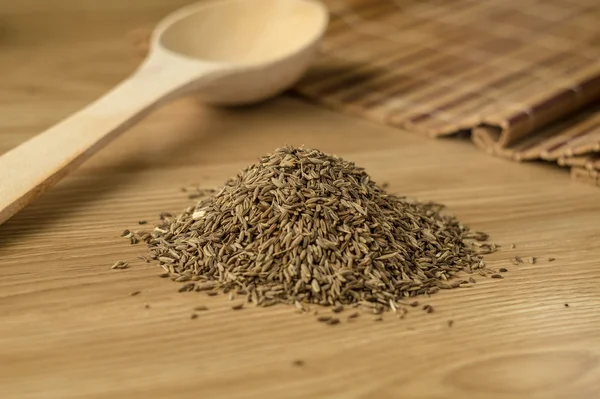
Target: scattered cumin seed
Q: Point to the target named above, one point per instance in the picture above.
(269, 302)
(187, 287)
(518, 259)
(532, 259)
(239, 306)
(200, 308)
(165, 215)
(512, 246)
(333, 321)
(450, 323)
(298, 363)
(134, 293)
(353, 315)
(414, 304)
(205, 286)
(164, 275)
(194, 316)
(120, 264)
(337, 309)
(323, 319)
(428, 308)
(503, 270)
(212, 293)
(472, 280)
(402, 313)
(551, 259)
(566, 305)
(125, 233)
(496, 276)
(142, 221)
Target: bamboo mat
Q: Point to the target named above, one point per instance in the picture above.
(521, 76)
(573, 140)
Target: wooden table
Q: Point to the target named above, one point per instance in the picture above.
(69, 327)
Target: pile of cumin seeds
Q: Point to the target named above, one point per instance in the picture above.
(302, 225)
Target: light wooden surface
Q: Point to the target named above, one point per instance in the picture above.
(70, 329)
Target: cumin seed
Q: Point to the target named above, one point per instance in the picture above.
(304, 227)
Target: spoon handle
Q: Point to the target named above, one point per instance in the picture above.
(36, 165)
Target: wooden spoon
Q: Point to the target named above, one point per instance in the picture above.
(231, 51)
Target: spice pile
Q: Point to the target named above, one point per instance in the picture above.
(302, 226)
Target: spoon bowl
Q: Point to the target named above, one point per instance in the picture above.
(262, 46)
(229, 51)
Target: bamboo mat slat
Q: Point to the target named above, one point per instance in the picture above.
(576, 136)
(573, 141)
(506, 70)
(589, 162)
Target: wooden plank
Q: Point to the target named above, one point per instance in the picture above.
(69, 327)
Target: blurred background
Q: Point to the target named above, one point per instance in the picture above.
(520, 77)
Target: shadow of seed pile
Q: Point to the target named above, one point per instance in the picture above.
(305, 226)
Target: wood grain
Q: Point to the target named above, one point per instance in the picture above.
(69, 327)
